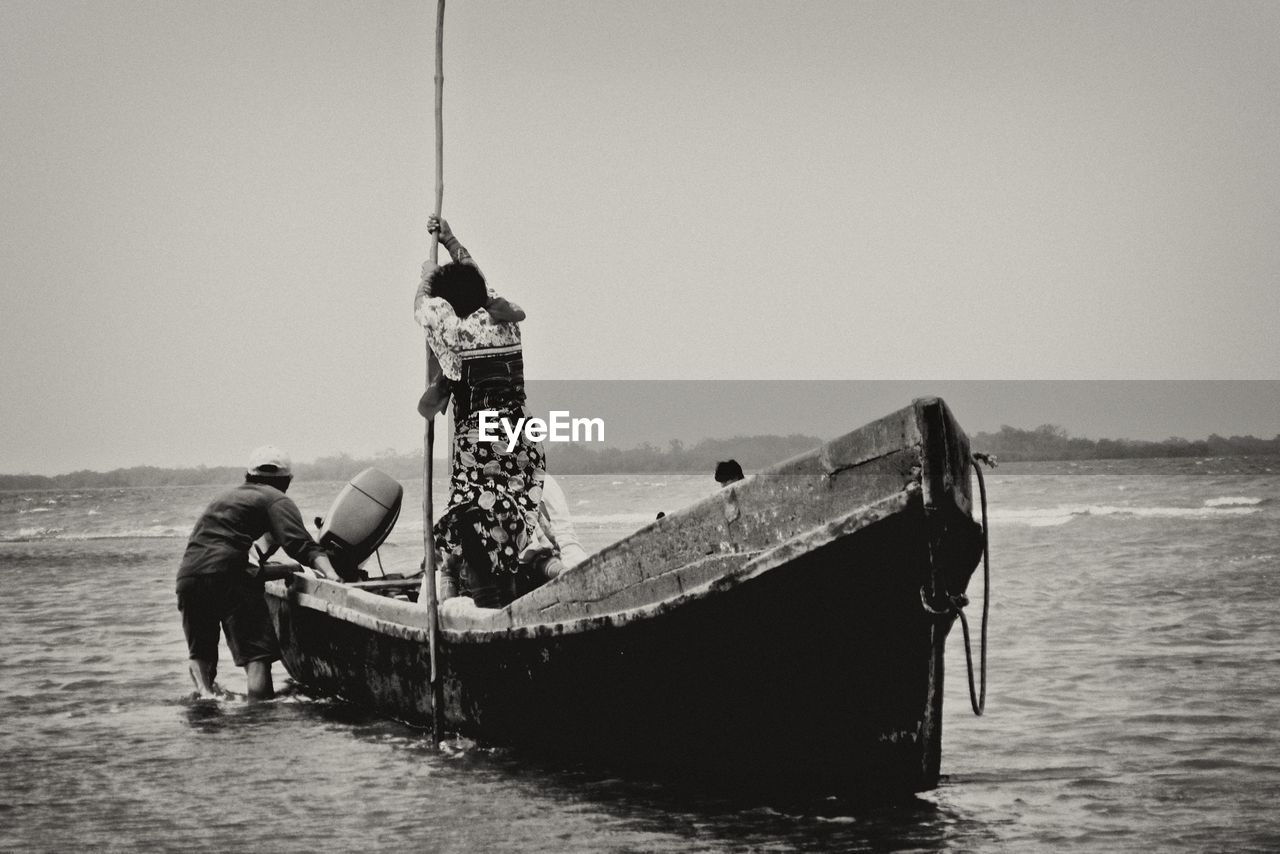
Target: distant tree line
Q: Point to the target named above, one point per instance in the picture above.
(753, 452)
(339, 467)
(1009, 444)
(1051, 442)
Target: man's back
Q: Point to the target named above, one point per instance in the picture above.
(222, 536)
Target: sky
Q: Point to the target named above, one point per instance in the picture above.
(212, 215)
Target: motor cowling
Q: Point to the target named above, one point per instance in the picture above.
(360, 520)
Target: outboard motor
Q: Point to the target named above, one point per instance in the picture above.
(360, 520)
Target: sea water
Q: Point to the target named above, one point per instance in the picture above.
(1133, 701)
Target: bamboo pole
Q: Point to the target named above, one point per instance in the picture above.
(428, 591)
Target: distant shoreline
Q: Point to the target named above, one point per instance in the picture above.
(1044, 444)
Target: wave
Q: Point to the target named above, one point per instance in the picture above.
(1062, 514)
(154, 532)
(1234, 501)
(26, 535)
(613, 520)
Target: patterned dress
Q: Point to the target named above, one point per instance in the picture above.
(492, 515)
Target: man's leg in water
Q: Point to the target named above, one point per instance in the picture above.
(253, 641)
(198, 602)
(259, 676)
(203, 674)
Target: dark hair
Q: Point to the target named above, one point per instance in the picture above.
(728, 471)
(462, 286)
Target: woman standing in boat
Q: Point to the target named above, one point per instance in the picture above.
(493, 548)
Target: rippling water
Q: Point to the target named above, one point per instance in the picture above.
(1132, 705)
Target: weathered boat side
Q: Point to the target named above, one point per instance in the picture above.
(773, 631)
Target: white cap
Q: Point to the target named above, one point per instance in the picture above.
(271, 462)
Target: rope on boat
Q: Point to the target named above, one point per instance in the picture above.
(979, 700)
(956, 603)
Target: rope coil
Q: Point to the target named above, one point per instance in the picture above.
(955, 604)
(979, 700)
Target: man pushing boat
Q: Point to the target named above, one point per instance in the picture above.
(219, 589)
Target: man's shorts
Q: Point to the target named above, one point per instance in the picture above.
(234, 602)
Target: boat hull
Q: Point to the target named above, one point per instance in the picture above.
(811, 664)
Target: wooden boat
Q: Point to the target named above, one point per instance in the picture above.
(774, 633)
